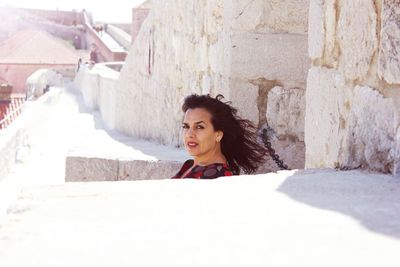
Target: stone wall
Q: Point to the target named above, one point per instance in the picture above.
(138, 16)
(352, 114)
(97, 85)
(26, 132)
(119, 35)
(241, 50)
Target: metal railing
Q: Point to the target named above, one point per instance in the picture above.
(12, 113)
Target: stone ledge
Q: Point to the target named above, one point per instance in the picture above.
(92, 169)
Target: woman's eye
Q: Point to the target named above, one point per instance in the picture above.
(185, 127)
(200, 127)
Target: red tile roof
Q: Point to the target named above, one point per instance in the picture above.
(36, 47)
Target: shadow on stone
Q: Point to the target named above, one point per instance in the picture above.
(373, 201)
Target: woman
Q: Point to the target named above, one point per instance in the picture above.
(220, 142)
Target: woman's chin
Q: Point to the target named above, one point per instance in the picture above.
(192, 152)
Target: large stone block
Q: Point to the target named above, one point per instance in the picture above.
(85, 169)
(316, 29)
(357, 37)
(372, 135)
(343, 129)
(322, 31)
(147, 170)
(389, 48)
(327, 111)
(280, 57)
(286, 112)
(244, 96)
(275, 16)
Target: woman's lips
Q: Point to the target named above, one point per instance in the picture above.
(191, 144)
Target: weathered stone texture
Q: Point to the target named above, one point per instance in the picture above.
(280, 57)
(275, 16)
(348, 127)
(352, 117)
(173, 55)
(357, 37)
(322, 31)
(244, 97)
(90, 169)
(329, 102)
(389, 49)
(147, 170)
(316, 29)
(286, 112)
(372, 141)
(291, 153)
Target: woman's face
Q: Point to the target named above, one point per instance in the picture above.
(199, 136)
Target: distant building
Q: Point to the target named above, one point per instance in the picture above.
(30, 50)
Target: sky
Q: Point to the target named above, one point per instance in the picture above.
(107, 11)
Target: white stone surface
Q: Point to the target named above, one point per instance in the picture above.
(357, 37)
(97, 85)
(305, 218)
(286, 112)
(316, 29)
(348, 127)
(85, 169)
(328, 107)
(57, 128)
(389, 46)
(275, 16)
(40, 79)
(182, 48)
(372, 130)
(122, 37)
(26, 132)
(244, 97)
(280, 57)
(147, 170)
(189, 47)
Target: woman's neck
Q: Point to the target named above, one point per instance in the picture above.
(216, 157)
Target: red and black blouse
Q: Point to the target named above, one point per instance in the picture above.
(211, 171)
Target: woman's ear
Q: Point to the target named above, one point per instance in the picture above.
(220, 134)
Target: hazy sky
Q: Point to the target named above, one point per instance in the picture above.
(102, 10)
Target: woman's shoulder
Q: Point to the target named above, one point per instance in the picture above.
(212, 171)
(185, 166)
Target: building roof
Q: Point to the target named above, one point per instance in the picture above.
(36, 47)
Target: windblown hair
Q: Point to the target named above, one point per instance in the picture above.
(239, 142)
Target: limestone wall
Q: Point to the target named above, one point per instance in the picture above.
(123, 38)
(241, 50)
(352, 114)
(97, 85)
(181, 48)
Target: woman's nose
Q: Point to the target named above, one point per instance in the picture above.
(189, 132)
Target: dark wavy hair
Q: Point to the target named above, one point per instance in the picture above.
(239, 142)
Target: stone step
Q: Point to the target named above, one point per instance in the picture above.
(85, 169)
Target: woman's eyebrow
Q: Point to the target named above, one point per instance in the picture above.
(198, 122)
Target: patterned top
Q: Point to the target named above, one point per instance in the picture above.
(211, 171)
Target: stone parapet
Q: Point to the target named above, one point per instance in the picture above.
(89, 169)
